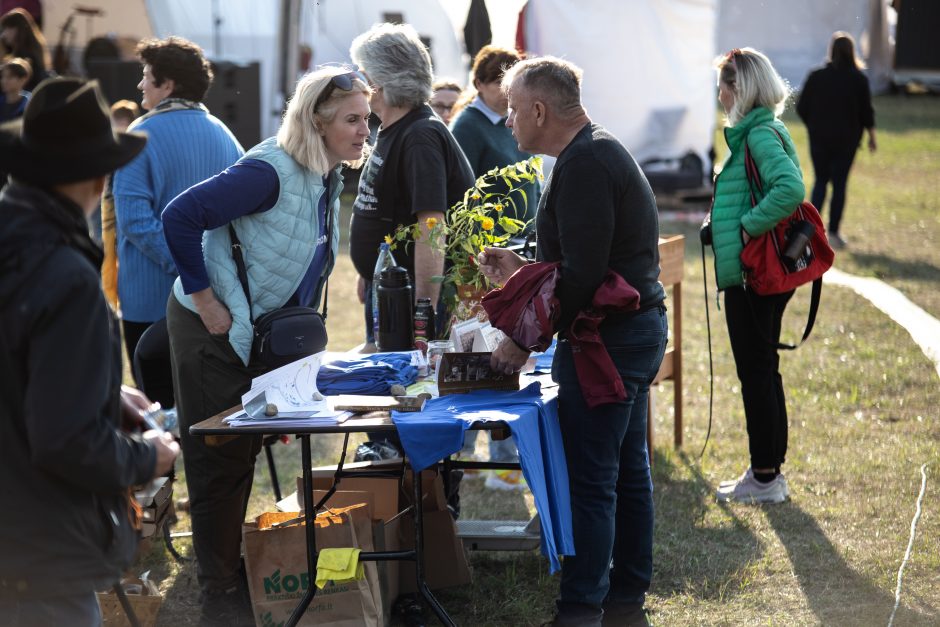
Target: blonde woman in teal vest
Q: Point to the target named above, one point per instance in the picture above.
(277, 198)
(753, 96)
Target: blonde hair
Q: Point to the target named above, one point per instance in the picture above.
(754, 81)
(299, 134)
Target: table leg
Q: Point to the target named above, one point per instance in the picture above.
(310, 528)
(419, 555)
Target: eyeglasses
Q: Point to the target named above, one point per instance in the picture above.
(441, 107)
(342, 81)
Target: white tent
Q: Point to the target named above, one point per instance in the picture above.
(795, 34)
(647, 67)
(246, 30)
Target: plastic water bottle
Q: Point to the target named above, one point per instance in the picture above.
(396, 310)
(384, 260)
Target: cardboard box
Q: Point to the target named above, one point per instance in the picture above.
(145, 600)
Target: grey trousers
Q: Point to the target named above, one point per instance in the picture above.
(209, 377)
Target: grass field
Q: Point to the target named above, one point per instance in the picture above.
(863, 405)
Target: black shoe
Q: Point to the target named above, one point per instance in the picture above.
(624, 614)
(410, 610)
(226, 608)
(576, 615)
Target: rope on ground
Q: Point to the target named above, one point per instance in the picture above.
(910, 543)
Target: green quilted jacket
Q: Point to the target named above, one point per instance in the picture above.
(781, 179)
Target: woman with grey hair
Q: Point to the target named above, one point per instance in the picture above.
(416, 170)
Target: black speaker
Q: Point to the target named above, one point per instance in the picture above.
(235, 98)
(118, 79)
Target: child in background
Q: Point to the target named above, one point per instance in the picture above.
(123, 112)
(14, 74)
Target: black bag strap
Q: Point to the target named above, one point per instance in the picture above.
(753, 181)
(242, 270)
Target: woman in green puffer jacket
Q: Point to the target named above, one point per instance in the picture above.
(753, 95)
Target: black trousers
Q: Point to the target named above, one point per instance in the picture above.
(753, 323)
(209, 377)
(151, 364)
(831, 164)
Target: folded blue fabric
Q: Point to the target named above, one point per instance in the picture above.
(437, 431)
(369, 374)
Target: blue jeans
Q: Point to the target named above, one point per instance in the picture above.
(608, 467)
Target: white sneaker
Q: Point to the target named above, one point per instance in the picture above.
(749, 473)
(750, 490)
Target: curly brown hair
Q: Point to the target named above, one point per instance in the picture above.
(179, 60)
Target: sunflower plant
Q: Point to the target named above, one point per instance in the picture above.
(478, 221)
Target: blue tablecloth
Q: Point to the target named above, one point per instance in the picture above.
(438, 431)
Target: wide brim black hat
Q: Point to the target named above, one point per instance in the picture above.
(65, 136)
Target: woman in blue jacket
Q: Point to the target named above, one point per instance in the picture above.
(280, 198)
(753, 95)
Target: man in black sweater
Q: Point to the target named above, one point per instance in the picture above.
(597, 213)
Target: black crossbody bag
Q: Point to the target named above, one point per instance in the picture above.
(289, 333)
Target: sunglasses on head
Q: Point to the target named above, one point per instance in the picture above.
(340, 81)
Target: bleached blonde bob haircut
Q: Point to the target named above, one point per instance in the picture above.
(299, 134)
(754, 81)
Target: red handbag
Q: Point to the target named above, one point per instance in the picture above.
(768, 268)
(796, 251)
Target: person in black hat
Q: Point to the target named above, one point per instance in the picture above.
(66, 527)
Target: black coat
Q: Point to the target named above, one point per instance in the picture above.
(64, 465)
(835, 105)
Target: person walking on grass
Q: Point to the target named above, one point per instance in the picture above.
(753, 96)
(597, 214)
(835, 105)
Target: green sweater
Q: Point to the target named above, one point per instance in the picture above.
(731, 210)
(489, 146)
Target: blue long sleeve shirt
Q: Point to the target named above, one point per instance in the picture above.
(250, 186)
(184, 147)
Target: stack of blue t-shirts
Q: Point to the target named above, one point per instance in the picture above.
(370, 374)
(437, 431)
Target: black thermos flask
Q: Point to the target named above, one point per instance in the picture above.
(396, 310)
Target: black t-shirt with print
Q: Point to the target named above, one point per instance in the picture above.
(416, 165)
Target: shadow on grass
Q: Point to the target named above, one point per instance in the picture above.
(837, 594)
(691, 556)
(883, 266)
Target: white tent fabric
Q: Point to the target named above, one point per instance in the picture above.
(648, 75)
(795, 34)
(248, 33)
(329, 26)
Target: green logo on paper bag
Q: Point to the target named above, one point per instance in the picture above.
(291, 586)
(268, 621)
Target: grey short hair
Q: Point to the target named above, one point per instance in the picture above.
(395, 59)
(554, 81)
